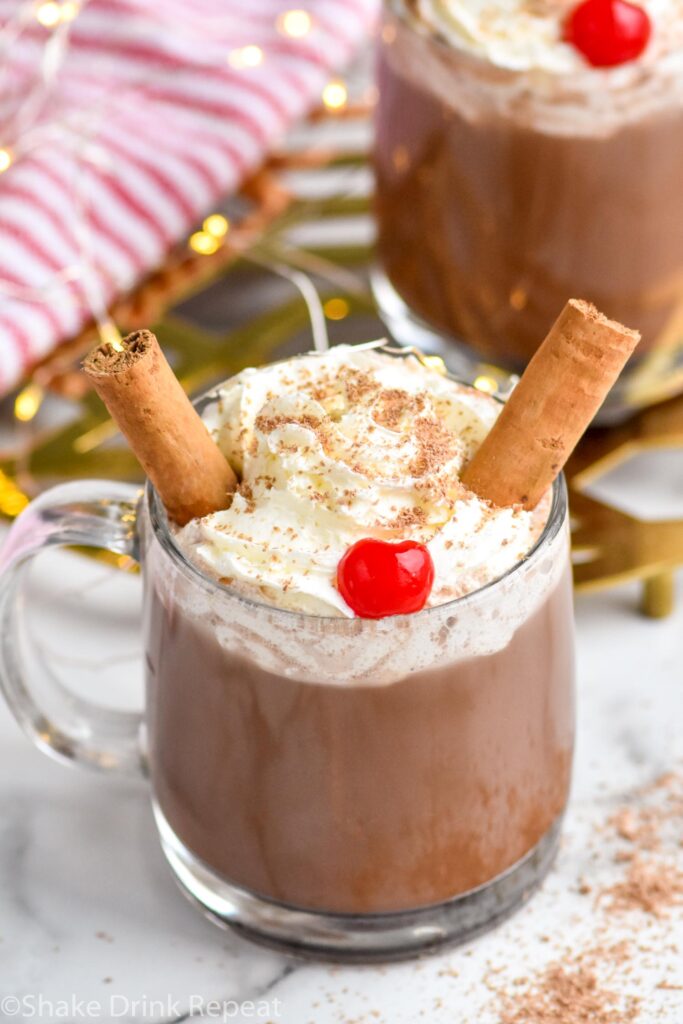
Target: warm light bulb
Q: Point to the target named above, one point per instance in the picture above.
(336, 309)
(69, 10)
(28, 402)
(216, 225)
(295, 24)
(435, 363)
(6, 159)
(203, 243)
(518, 298)
(12, 500)
(49, 14)
(486, 384)
(246, 57)
(335, 95)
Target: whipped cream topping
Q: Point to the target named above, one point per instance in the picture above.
(352, 443)
(527, 35)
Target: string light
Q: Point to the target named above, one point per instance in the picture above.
(208, 241)
(295, 24)
(12, 500)
(49, 14)
(335, 95)
(94, 438)
(216, 225)
(28, 402)
(110, 335)
(246, 57)
(435, 363)
(70, 10)
(518, 298)
(203, 243)
(486, 384)
(336, 309)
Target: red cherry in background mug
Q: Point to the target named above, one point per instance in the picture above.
(377, 578)
(608, 32)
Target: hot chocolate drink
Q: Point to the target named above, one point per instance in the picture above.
(337, 763)
(365, 796)
(511, 174)
(358, 632)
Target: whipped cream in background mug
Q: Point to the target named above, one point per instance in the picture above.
(527, 35)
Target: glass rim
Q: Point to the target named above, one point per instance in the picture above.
(160, 523)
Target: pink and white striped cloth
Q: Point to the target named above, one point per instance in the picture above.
(124, 126)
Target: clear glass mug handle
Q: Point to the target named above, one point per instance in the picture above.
(94, 513)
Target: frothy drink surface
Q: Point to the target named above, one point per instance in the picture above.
(337, 763)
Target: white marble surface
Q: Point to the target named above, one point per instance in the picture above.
(89, 912)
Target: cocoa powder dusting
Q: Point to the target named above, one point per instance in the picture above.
(653, 883)
(591, 986)
(407, 518)
(359, 385)
(637, 826)
(246, 492)
(568, 995)
(436, 446)
(393, 404)
(652, 886)
(266, 424)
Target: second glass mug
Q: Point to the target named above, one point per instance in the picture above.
(500, 193)
(349, 788)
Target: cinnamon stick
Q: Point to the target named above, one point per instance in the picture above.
(144, 397)
(558, 395)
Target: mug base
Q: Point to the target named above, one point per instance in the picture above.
(408, 329)
(357, 938)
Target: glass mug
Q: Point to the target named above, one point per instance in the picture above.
(349, 788)
(500, 193)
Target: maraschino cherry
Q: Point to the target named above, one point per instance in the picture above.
(377, 578)
(608, 32)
